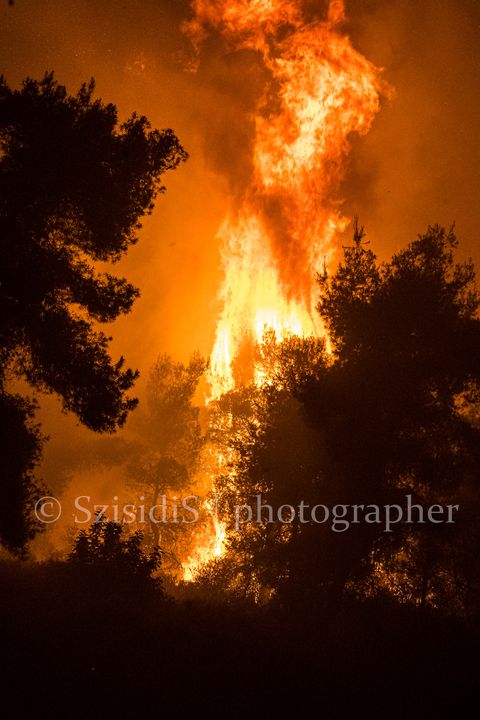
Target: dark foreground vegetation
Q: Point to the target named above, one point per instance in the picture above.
(64, 640)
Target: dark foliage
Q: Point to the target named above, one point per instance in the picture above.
(102, 556)
(76, 643)
(19, 452)
(393, 411)
(73, 188)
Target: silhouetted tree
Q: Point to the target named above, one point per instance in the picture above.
(405, 337)
(107, 558)
(20, 449)
(393, 411)
(73, 187)
(272, 452)
(170, 441)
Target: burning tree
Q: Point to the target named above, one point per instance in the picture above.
(392, 411)
(317, 92)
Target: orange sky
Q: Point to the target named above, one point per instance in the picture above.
(418, 165)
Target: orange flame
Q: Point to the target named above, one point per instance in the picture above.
(211, 546)
(287, 221)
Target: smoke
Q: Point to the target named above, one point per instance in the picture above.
(420, 163)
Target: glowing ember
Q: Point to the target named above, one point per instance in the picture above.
(285, 226)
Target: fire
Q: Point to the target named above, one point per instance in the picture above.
(211, 546)
(253, 298)
(287, 220)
